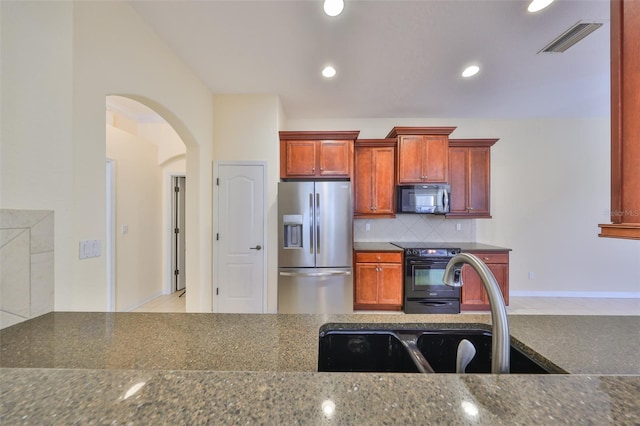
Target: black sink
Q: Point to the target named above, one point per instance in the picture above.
(363, 351)
(380, 350)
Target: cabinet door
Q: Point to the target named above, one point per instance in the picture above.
(436, 164)
(472, 291)
(473, 296)
(335, 158)
(469, 177)
(501, 272)
(411, 154)
(478, 182)
(384, 180)
(366, 280)
(299, 159)
(458, 178)
(390, 284)
(365, 181)
(374, 181)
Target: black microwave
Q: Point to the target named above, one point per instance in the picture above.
(430, 199)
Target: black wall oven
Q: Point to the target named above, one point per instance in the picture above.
(424, 291)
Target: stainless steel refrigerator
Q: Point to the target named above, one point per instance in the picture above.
(315, 247)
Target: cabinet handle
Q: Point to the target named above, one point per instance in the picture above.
(469, 208)
(486, 258)
(313, 169)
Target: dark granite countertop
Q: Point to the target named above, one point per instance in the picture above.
(479, 247)
(388, 246)
(139, 397)
(367, 246)
(85, 368)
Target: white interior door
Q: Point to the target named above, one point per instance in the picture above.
(240, 238)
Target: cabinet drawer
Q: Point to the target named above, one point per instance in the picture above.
(492, 256)
(378, 257)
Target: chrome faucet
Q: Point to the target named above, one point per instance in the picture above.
(500, 345)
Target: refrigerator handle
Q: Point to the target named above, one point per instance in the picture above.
(314, 274)
(318, 223)
(311, 224)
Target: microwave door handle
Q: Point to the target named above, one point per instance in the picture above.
(311, 223)
(445, 200)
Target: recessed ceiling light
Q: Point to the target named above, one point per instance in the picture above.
(470, 71)
(333, 7)
(537, 5)
(329, 71)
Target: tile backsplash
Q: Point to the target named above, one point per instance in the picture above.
(26, 265)
(416, 228)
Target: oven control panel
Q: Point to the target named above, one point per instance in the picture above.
(432, 252)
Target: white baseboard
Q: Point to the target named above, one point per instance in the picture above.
(144, 302)
(585, 294)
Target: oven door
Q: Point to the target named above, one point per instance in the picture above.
(423, 279)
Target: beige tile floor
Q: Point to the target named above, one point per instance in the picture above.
(517, 306)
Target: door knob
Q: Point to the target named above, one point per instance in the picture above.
(258, 247)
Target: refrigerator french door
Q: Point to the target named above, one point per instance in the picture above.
(315, 247)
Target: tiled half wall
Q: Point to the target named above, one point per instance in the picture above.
(26, 265)
(415, 228)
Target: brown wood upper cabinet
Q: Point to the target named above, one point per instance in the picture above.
(374, 177)
(423, 154)
(470, 177)
(316, 154)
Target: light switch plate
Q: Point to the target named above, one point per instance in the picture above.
(90, 248)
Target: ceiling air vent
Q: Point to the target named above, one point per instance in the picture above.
(571, 37)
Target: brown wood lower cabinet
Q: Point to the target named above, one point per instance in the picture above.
(378, 281)
(473, 296)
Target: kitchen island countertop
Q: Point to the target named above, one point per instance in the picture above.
(64, 368)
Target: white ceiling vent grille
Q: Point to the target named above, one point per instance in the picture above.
(571, 37)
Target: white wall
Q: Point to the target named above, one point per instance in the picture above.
(138, 207)
(169, 144)
(59, 62)
(132, 61)
(36, 143)
(549, 190)
(246, 128)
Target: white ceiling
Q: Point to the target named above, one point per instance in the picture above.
(394, 58)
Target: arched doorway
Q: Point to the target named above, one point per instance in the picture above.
(148, 156)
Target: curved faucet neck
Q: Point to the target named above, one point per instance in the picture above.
(500, 340)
